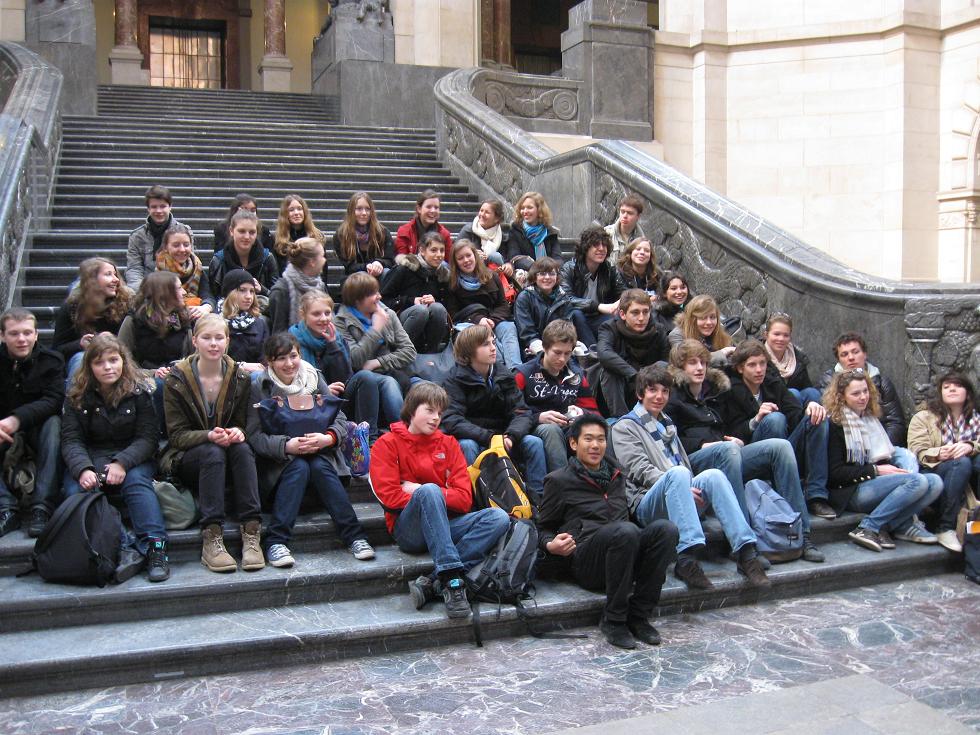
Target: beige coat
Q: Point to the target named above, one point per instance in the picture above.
(925, 439)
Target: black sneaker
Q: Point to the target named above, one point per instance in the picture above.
(753, 572)
(39, 519)
(885, 539)
(454, 595)
(866, 538)
(811, 552)
(423, 591)
(688, 571)
(130, 562)
(9, 521)
(157, 563)
(617, 634)
(821, 509)
(643, 631)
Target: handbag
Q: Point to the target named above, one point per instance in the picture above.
(177, 504)
(299, 414)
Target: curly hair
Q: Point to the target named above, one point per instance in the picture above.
(129, 380)
(700, 307)
(833, 396)
(483, 274)
(283, 235)
(544, 211)
(589, 238)
(89, 304)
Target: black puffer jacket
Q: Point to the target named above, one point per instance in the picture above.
(624, 352)
(245, 345)
(892, 414)
(410, 278)
(95, 433)
(33, 389)
(261, 264)
(519, 250)
(575, 503)
(534, 311)
(67, 338)
(740, 407)
(574, 276)
(149, 349)
(478, 409)
(698, 420)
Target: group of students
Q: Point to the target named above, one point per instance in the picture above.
(620, 394)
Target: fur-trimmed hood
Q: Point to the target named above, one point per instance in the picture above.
(415, 262)
(714, 377)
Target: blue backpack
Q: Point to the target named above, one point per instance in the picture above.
(778, 528)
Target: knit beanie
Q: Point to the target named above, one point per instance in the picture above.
(233, 279)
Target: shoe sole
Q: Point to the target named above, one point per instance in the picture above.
(282, 563)
(158, 579)
(362, 556)
(865, 543)
(918, 539)
(418, 596)
(458, 614)
(253, 567)
(220, 570)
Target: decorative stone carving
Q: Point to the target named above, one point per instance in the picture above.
(943, 334)
(529, 102)
(492, 167)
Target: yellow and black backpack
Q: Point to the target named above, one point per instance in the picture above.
(498, 484)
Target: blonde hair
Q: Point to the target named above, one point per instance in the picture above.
(231, 307)
(311, 297)
(302, 252)
(483, 274)
(282, 224)
(700, 307)
(211, 320)
(833, 396)
(544, 211)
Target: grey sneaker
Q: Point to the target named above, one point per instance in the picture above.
(917, 534)
(362, 550)
(423, 591)
(278, 555)
(454, 595)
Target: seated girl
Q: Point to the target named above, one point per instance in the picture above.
(247, 328)
(674, 296)
(289, 465)
(245, 252)
(295, 221)
(487, 233)
(945, 438)
(637, 266)
(409, 238)
(863, 475)
(789, 360)
(156, 333)
(415, 289)
(206, 397)
(177, 255)
(302, 274)
(542, 302)
(108, 439)
(531, 234)
(222, 231)
(97, 305)
(476, 296)
(701, 320)
(361, 242)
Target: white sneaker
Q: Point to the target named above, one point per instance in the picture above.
(948, 540)
(279, 556)
(362, 550)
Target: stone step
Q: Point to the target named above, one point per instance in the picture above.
(204, 643)
(268, 198)
(164, 93)
(152, 126)
(218, 152)
(209, 111)
(79, 135)
(410, 177)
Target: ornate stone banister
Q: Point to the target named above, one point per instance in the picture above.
(752, 266)
(30, 140)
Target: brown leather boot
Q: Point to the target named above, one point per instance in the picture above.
(213, 553)
(252, 557)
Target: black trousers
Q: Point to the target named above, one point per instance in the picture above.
(205, 468)
(621, 558)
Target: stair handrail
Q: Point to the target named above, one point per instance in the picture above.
(721, 246)
(30, 142)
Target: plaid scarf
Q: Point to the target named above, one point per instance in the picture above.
(961, 430)
(664, 432)
(189, 274)
(865, 438)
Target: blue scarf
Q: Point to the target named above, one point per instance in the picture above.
(658, 430)
(365, 321)
(468, 283)
(311, 347)
(536, 234)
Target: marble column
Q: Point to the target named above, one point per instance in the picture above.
(12, 20)
(276, 70)
(125, 59)
(495, 42)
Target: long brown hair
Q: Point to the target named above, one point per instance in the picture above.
(157, 300)
(282, 224)
(625, 263)
(833, 397)
(939, 409)
(347, 233)
(89, 305)
(483, 274)
(701, 306)
(129, 378)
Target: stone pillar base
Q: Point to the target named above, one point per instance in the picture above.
(276, 73)
(126, 65)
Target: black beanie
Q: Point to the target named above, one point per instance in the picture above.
(233, 279)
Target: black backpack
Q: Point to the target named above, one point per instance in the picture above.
(80, 544)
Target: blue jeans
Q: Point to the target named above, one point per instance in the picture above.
(510, 348)
(905, 460)
(891, 500)
(454, 543)
(376, 398)
(594, 321)
(555, 445)
(301, 472)
(45, 442)
(809, 444)
(806, 395)
(535, 464)
(141, 502)
(671, 498)
(769, 459)
(586, 335)
(956, 475)
(71, 367)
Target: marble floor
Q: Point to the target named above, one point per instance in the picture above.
(918, 637)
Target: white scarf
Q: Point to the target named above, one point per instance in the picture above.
(489, 239)
(305, 383)
(786, 366)
(865, 438)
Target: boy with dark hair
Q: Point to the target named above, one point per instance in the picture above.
(626, 228)
(33, 380)
(591, 278)
(629, 341)
(419, 476)
(555, 389)
(585, 517)
(145, 240)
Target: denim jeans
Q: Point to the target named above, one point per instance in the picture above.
(806, 395)
(535, 464)
(426, 326)
(891, 500)
(956, 475)
(769, 459)
(905, 460)
(301, 472)
(594, 321)
(71, 367)
(555, 445)
(454, 543)
(45, 442)
(141, 502)
(671, 498)
(583, 329)
(810, 445)
(510, 348)
(376, 398)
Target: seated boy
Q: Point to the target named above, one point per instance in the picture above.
(419, 476)
(145, 240)
(33, 380)
(585, 516)
(660, 483)
(552, 384)
(629, 341)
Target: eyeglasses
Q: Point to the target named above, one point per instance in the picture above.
(547, 274)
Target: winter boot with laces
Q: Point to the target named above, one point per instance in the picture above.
(252, 558)
(213, 553)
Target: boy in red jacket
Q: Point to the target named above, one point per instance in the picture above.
(419, 476)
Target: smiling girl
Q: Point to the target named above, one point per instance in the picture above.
(531, 233)
(410, 235)
(295, 221)
(177, 256)
(701, 320)
(361, 242)
(245, 252)
(637, 266)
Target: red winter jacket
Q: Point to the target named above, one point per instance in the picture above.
(421, 458)
(407, 238)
